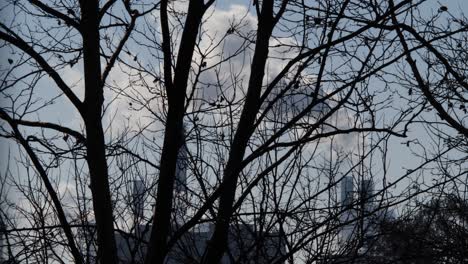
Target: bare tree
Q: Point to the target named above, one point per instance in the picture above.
(432, 232)
(246, 118)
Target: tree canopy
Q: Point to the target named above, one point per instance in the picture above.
(225, 115)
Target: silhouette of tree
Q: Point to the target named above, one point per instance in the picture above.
(269, 106)
(433, 232)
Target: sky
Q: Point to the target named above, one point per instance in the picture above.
(400, 157)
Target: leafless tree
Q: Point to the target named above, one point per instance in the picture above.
(267, 107)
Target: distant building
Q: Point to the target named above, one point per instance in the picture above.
(245, 244)
(2, 231)
(4, 257)
(361, 221)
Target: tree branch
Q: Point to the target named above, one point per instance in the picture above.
(116, 53)
(53, 126)
(28, 49)
(47, 9)
(423, 85)
(48, 185)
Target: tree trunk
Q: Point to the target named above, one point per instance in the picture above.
(157, 249)
(95, 143)
(218, 242)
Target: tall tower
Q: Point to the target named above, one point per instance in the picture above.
(180, 184)
(2, 231)
(348, 214)
(347, 189)
(181, 167)
(138, 197)
(366, 191)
